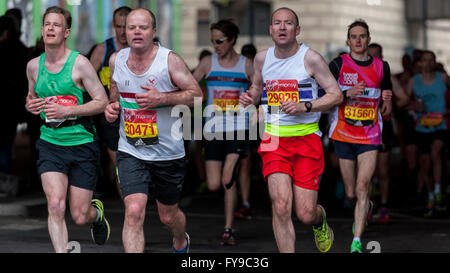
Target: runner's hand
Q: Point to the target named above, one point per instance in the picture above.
(386, 108)
(245, 99)
(291, 108)
(150, 99)
(35, 106)
(386, 95)
(356, 90)
(55, 111)
(112, 112)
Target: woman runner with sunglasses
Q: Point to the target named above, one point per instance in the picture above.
(227, 76)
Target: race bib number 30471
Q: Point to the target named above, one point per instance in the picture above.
(140, 127)
(279, 91)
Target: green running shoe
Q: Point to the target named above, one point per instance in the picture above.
(323, 236)
(356, 247)
(100, 231)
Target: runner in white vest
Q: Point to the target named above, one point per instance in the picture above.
(150, 80)
(291, 148)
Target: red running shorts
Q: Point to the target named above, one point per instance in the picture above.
(300, 157)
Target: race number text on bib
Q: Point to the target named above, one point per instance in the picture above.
(279, 91)
(140, 127)
(360, 112)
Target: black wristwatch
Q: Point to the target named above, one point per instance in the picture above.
(308, 106)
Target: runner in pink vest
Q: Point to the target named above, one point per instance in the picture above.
(357, 123)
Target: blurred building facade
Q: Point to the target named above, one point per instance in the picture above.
(183, 25)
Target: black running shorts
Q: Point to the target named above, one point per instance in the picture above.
(80, 162)
(136, 175)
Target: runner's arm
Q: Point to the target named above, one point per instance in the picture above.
(401, 98)
(202, 69)
(114, 94)
(112, 110)
(93, 86)
(182, 78)
(253, 95)
(97, 56)
(315, 65)
(33, 104)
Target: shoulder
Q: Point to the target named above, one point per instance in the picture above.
(99, 50)
(386, 66)
(312, 56)
(81, 61)
(260, 57)
(175, 62)
(33, 65)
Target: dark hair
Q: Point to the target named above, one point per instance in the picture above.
(58, 10)
(122, 11)
(151, 15)
(228, 28)
(376, 45)
(7, 24)
(285, 8)
(248, 50)
(358, 23)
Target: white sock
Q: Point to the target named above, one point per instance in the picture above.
(357, 239)
(246, 204)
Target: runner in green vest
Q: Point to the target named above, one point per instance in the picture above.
(65, 91)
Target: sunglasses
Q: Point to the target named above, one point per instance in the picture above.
(220, 41)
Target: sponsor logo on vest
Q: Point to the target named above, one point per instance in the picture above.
(350, 78)
(282, 85)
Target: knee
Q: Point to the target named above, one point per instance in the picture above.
(79, 217)
(57, 208)
(135, 214)
(362, 190)
(213, 187)
(282, 208)
(307, 216)
(167, 218)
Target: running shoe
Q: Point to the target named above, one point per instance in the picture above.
(100, 231)
(383, 215)
(356, 247)
(323, 236)
(228, 238)
(243, 213)
(186, 248)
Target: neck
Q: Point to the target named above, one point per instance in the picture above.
(360, 56)
(119, 45)
(230, 55)
(142, 54)
(55, 53)
(427, 74)
(282, 52)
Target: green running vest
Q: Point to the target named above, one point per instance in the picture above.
(60, 87)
